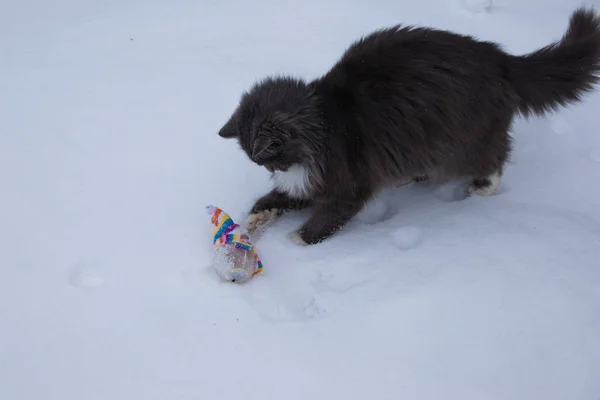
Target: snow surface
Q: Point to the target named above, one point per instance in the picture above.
(109, 153)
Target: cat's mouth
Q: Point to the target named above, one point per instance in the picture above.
(273, 169)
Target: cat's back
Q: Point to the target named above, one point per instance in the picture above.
(413, 79)
(412, 93)
(408, 56)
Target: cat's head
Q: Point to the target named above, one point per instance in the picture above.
(274, 123)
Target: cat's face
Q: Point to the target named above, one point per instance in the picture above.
(268, 142)
(268, 124)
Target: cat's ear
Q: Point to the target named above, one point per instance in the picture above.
(229, 130)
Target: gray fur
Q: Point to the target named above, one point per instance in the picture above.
(405, 103)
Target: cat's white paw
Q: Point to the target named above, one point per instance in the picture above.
(297, 239)
(483, 191)
(488, 187)
(260, 218)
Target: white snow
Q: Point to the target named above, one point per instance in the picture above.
(83, 275)
(109, 152)
(477, 6)
(408, 237)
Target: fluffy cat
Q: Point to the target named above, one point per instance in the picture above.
(402, 104)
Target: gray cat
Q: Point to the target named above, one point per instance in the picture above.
(402, 104)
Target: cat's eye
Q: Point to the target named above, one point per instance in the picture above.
(267, 149)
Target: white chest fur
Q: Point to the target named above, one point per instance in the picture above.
(294, 182)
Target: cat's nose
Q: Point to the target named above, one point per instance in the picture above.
(255, 150)
(260, 147)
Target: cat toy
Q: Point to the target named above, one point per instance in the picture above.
(234, 258)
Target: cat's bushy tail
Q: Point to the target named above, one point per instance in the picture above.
(559, 74)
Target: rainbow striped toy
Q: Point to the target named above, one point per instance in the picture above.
(234, 257)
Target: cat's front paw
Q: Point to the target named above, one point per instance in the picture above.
(296, 238)
(261, 218)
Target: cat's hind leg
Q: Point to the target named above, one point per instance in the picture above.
(485, 161)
